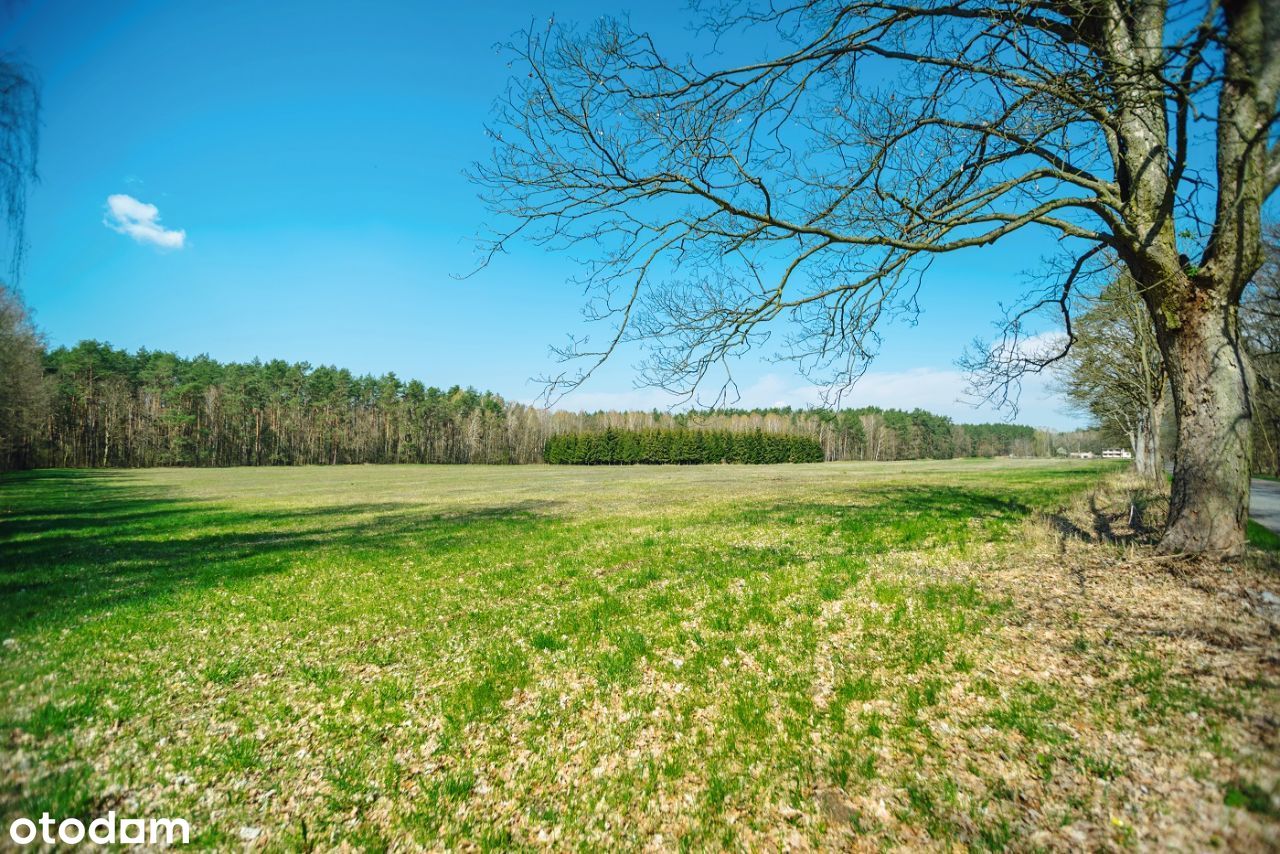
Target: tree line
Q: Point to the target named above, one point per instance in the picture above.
(109, 407)
(865, 433)
(94, 405)
(680, 447)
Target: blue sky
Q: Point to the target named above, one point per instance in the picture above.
(309, 158)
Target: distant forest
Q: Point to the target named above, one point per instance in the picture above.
(104, 406)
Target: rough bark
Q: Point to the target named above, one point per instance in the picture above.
(1208, 372)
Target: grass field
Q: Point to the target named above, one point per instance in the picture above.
(887, 654)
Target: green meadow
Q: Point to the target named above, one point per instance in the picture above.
(527, 657)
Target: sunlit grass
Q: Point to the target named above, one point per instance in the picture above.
(524, 656)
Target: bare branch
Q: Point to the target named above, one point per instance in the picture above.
(809, 190)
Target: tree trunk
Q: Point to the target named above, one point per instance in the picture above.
(1146, 442)
(1141, 449)
(1209, 375)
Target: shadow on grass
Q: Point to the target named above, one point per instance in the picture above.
(1102, 521)
(901, 517)
(76, 542)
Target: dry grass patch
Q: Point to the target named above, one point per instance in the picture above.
(1164, 673)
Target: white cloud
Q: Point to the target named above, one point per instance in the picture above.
(141, 221)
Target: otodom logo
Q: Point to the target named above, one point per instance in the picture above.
(105, 830)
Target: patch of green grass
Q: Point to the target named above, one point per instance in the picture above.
(996, 836)
(547, 642)
(1250, 796)
(1163, 693)
(65, 791)
(56, 717)
(1103, 767)
(1029, 711)
(240, 753)
(1263, 538)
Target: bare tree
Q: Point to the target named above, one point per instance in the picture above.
(1114, 371)
(19, 139)
(814, 184)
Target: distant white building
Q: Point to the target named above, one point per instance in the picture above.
(1081, 455)
(1117, 454)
